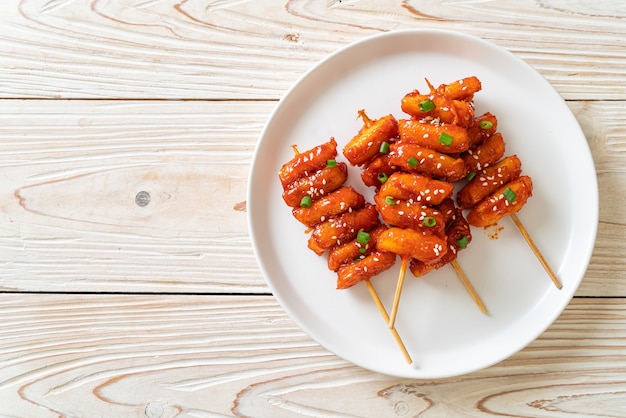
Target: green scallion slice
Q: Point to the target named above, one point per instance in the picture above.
(426, 105)
(429, 221)
(445, 139)
(462, 242)
(486, 124)
(306, 201)
(470, 176)
(363, 237)
(362, 250)
(413, 162)
(390, 200)
(509, 195)
(384, 148)
(382, 177)
(331, 163)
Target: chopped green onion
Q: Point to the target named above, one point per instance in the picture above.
(390, 200)
(382, 177)
(462, 242)
(486, 124)
(470, 176)
(430, 221)
(427, 105)
(413, 162)
(384, 148)
(510, 195)
(445, 139)
(306, 201)
(363, 237)
(331, 163)
(362, 250)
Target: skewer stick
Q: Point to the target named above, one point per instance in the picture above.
(383, 312)
(396, 298)
(468, 286)
(533, 247)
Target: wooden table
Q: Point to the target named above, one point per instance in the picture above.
(128, 285)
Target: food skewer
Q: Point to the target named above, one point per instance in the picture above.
(313, 187)
(420, 146)
(536, 250)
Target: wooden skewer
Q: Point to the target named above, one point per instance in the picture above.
(468, 286)
(396, 298)
(383, 312)
(533, 247)
(373, 292)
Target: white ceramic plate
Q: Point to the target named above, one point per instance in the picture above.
(442, 328)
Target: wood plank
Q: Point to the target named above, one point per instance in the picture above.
(166, 356)
(70, 176)
(256, 50)
(70, 172)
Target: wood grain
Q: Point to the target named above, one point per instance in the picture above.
(128, 286)
(224, 356)
(71, 171)
(256, 50)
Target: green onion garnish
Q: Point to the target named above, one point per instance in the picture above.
(331, 163)
(363, 237)
(462, 242)
(470, 176)
(427, 105)
(390, 200)
(430, 221)
(306, 201)
(510, 195)
(445, 139)
(384, 148)
(486, 124)
(413, 162)
(362, 250)
(382, 177)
